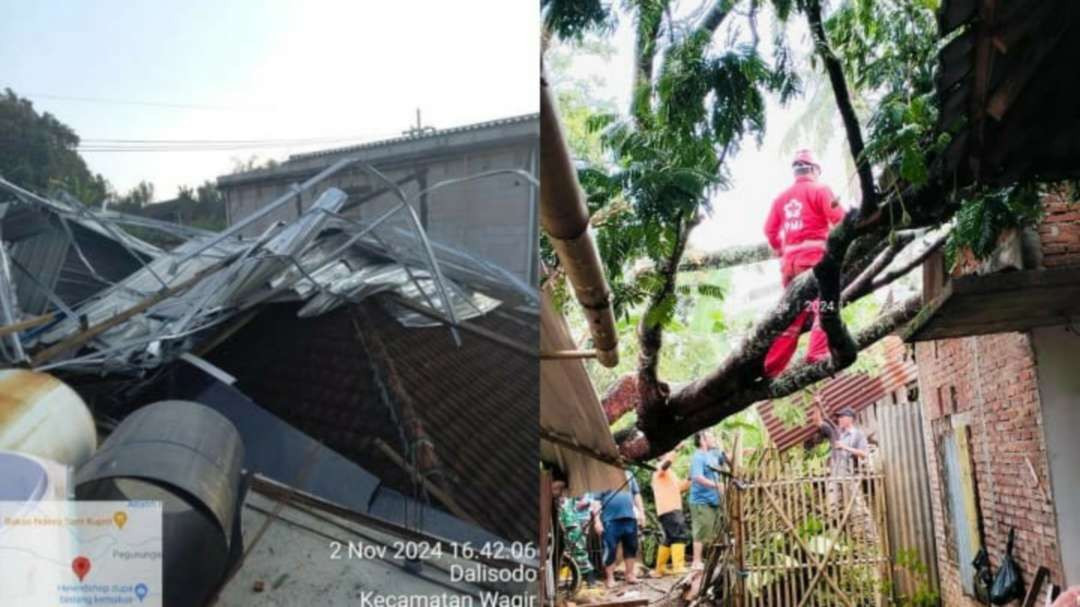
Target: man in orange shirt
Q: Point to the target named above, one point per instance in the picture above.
(667, 491)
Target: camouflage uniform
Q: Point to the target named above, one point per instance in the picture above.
(575, 536)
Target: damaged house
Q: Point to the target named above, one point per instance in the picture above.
(996, 343)
(346, 360)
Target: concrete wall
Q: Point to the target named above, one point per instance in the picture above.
(1057, 351)
(493, 218)
(990, 383)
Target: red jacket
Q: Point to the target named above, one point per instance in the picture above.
(800, 219)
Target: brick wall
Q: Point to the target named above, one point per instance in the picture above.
(1060, 232)
(990, 382)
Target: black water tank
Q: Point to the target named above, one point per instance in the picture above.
(188, 457)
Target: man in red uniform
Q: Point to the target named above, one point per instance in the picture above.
(797, 228)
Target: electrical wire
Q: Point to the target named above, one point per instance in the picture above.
(212, 145)
(216, 141)
(175, 106)
(215, 147)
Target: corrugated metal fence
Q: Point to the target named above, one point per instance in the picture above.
(907, 491)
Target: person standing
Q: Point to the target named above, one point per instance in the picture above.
(588, 511)
(849, 451)
(574, 530)
(621, 513)
(797, 228)
(667, 491)
(706, 489)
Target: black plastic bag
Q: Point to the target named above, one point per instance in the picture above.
(984, 576)
(1007, 585)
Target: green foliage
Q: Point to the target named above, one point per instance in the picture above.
(572, 19)
(907, 560)
(886, 48)
(38, 152)
(252, 163)
(985, 213)
(136, 198)
(664, 162)
(790, 412)
(576, 96)
(695, 333)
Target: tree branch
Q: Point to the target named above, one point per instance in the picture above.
(641, 446)
(716, 15)
(857, 287)
(648, 29)
(799, 376)
(843, 103)
(738, 381)
(909, 266)
(729, 257)
(650, 329)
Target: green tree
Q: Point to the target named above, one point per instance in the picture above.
(252, 163)
(209, 196)
(185, 192)
(40, 153)
(694, 102)
(136, 198)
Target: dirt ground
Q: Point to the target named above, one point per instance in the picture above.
(651, 590)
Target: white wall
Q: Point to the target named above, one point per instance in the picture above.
(1057, 357)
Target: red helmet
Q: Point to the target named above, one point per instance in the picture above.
(804, 156)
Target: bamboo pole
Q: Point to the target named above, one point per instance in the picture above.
(29, 323)
(81, 338)
(548, 435)
(434, 489)
(740, 539)
(789, 549)
(774, 588)
(565, 218)
(567, 354)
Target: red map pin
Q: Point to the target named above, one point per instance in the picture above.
(81, 566)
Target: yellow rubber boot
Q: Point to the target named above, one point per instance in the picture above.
(662, 556)
(678, 559)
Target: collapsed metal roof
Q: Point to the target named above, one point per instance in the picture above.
(79, 292)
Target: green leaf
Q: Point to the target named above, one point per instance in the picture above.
(913, 166)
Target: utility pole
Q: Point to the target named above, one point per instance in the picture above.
(419, 130)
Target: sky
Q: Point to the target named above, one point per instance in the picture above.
(265, 71)
(758, 173)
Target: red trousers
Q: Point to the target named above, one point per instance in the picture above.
(783, 348)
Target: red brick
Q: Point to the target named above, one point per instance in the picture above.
(995, 377)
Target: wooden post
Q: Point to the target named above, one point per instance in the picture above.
(737, 521)
(546, 569)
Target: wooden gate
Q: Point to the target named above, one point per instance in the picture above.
(801, 537)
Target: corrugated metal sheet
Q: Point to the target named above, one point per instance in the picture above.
(907, 491)
(855, 390)
(438, 133)
(42, 258)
